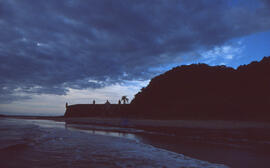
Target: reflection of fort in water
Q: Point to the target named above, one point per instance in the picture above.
(107, 133)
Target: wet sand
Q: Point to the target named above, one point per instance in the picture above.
(45, 143)
(233, 143)
(209, 124)
(239, 153)
(126, 122)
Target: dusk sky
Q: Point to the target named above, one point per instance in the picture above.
(57, 51)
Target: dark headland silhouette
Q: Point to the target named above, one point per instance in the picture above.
(196, 91)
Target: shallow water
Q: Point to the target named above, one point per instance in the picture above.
(42, 143)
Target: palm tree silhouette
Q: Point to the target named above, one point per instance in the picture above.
(124, 99)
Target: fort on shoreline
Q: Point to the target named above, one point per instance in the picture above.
(97, 110)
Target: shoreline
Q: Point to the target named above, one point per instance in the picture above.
(208, 124)
(233, 143)
(130, 122)
(241, 144)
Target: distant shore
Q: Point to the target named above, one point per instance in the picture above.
(126, 122)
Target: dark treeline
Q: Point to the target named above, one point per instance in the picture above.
(200, 91)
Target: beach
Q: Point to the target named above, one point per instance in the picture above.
(208, 124)
(44, 143)
(232, 143)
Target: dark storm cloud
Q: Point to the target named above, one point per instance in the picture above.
(47, 46)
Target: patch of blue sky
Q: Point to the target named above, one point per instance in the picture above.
(257, 46)
(234, 53)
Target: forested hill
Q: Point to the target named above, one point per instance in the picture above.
(200, 91)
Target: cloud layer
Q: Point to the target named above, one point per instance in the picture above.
(47, 46)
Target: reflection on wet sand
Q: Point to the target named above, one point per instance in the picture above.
(106, 133)
(233, 147)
